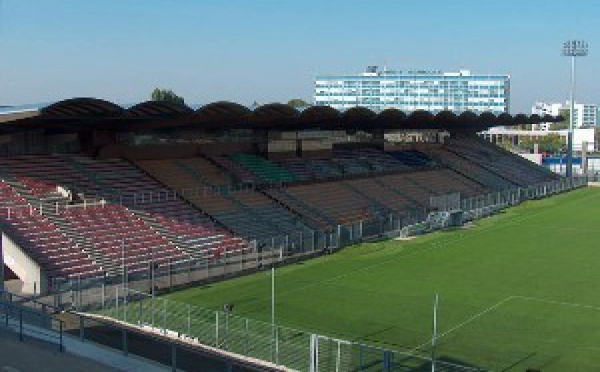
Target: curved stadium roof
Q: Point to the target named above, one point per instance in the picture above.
(93, 113)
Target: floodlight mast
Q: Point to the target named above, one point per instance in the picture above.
(573, 49)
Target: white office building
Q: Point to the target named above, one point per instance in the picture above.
(433, 91)
(586, 115)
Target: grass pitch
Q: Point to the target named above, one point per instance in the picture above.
(518, 290)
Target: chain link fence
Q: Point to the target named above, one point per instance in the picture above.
(132, 298)
(284, 346)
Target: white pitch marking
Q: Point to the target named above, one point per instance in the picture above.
(479, 314)
(553, 302)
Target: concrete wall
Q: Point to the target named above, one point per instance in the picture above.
(535, 158)
(169, 151)
(19, 262)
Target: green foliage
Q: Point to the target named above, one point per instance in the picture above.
(520, 287)
(551, 143)
(166, 95)
(298, 102)
(565, 113)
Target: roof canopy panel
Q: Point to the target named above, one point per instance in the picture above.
(91, 113)
(390, 118)
(357, 117)
(77, 108)
(221, 114)
(421, 119)
(274, 116)
(158, 109)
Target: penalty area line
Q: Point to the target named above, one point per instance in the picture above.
(553, 302)
(469, 320)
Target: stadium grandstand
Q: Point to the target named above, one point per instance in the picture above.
(89, 187)
(103, 206)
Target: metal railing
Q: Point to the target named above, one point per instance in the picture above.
(303, 244)
(29, 316)
(280, 345)
(131, 298)
(25, 321)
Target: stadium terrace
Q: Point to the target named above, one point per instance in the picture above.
(104, 208)
(91, 189)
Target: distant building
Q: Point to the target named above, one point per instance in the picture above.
(586, 115)
(544, 108)
(433, 91)
(499, 135)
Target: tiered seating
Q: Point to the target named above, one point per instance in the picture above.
(59, 256)
(206, 171)
(301, 168)
(242, 174)
(361, 161)
(542, 173)
(420, 186)
(264, 169)
(269, 215)
(119, 181)
(469, 169)
(407, 187)
(119, 238)
(329, 203)
(42, 173)
(325, 168)
(381, 161)
(385, 195)
(248, 213)
(445, 181)
(351, 162)
(310, 214)
(182, 224)
(37, 187)
(508, 165)
(412, 158)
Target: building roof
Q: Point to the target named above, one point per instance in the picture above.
(90, 113)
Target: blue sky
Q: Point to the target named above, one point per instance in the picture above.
(270, 50)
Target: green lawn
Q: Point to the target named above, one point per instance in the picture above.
(518, 290)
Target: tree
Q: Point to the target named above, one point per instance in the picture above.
(297, 102)
(552, 143)
(166, 95)
(565, 113)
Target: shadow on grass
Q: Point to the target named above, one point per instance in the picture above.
(442, 364)
(155, 349)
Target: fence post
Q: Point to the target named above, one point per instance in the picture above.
(117, 301)
(61, 347)
(276, 345)
(360, 357)
(164, 317)
(124, 340)
(81, 328)
(216, 329)
(246, 338)
(20, 324)
(103, 294)
(189, 321)
(79, 293)
(169, 274)
(173, 357)
(140, 317)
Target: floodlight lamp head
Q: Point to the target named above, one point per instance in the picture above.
(575, 48)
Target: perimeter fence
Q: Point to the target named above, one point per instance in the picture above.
(446, 211)
(280, 345)
(131, 298)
